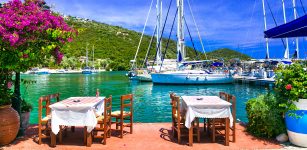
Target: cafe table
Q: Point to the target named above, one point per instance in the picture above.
(206, 107)
(76, 111)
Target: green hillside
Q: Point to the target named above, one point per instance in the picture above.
(116, 46)
(227, 54)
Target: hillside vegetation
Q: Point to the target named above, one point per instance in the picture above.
(116, 46)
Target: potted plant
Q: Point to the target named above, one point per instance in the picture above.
(9, 118)
(26, 107)
(291, 91)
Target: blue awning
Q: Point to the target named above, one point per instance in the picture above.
(295, 28)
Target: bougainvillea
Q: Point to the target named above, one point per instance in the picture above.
(29, 32)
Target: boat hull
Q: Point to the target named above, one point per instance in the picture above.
(161, 78)
(87, 72)
(144, 78)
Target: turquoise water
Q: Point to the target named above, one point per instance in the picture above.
(151, 102)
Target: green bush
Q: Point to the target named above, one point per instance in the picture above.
(265, 117)
(291, 85)
(25, 106)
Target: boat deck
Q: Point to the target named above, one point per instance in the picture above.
(146, 136)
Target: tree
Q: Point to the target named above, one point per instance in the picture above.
(29, 32)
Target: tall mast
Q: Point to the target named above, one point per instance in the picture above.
(86, 61)
(286, 55)
(93, 48)
(180, 31)
(295, 16)
(159, 31)
(265, 28)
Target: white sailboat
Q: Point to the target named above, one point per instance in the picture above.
(188, 76)
(87, 69)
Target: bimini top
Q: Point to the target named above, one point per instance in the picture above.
(295, 28)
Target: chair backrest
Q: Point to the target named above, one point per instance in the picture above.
(43, 107)
(107, 108)
(232, 100)
(223, 96)
(44, 103)
(55, 96)
(126, 101)
(176, 108)
(171, 95)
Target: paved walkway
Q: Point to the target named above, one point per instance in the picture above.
(146, 136)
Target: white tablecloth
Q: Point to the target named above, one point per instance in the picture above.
(76, 111)
(206, 107)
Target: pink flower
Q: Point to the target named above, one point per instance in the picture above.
(9, 84)
(288, 87)
(25, 56)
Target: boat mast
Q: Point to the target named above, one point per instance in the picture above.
(265, 28)
(295, 17)
(180, 32)
(93, 55)
(86, 61)
(286, 55)
(159, 31)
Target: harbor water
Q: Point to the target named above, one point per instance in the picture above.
(151, 102)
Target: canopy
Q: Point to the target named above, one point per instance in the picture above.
(295, 28)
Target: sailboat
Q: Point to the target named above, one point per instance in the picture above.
(87, 69)
(184, 75)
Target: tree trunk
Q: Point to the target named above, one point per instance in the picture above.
(16, 101)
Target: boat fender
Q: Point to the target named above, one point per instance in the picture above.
(197, 78)
(188, 77)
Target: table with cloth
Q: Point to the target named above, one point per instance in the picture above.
(206, 107)
(76, 111)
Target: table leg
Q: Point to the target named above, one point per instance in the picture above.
(53, 139)
(191, 135)
(88, 139)
(227, 132)
(84, 135)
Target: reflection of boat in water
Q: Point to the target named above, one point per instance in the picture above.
(143, 76)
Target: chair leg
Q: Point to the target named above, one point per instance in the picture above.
(179, 136)
(121, 128)
(105, 135)
(116, 123)
(39, 134)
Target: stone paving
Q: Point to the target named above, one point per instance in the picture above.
(146, 136)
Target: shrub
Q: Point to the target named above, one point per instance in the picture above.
(25, 106)
(265, 117)
(291, 85)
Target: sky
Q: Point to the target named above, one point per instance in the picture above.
(234, 24)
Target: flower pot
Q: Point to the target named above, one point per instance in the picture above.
(297, 126)
(9, 124)
(25, 119)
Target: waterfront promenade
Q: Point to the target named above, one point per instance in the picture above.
(149, 136)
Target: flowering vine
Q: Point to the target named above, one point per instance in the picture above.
(30, 32)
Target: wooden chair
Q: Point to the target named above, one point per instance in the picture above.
(44, 117)
(126, 102)
(104, 122)
(178, 120)
(218, 127)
